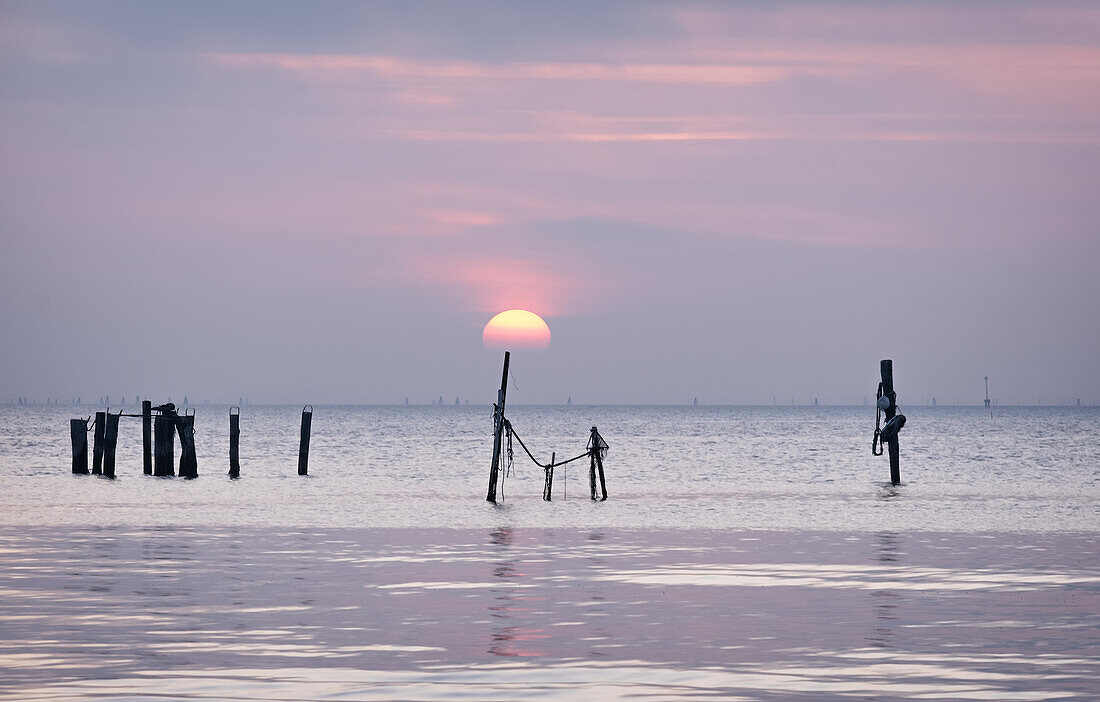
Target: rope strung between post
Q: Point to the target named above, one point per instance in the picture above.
(876, 440)
(512, 432)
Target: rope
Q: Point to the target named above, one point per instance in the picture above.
(544, 466)
(876, 440)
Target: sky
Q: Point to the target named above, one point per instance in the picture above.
(736, 202)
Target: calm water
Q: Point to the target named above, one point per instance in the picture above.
(745, 553)
(1028, 469)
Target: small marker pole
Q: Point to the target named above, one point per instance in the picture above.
(234, 442)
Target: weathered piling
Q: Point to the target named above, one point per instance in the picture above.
(886, 369)
(549, 478)
(164, 429)
(303, 445)
(189, 466)
(597, 446)
(498, 429)
(110, 441)
(97, 443)
(147, 437)
(78, 428)
(234, 442)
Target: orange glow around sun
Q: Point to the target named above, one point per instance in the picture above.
(516, 329)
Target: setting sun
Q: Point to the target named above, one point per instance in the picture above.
(516, 329)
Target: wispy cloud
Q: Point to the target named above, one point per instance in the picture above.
(393, 67)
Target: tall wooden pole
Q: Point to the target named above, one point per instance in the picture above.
(147, 437)
(886, 368)
(234, 442)
(498, 429)
(303, 444)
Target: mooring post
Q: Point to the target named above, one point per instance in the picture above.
(110, 441)
(234, 442)
(164, 445)
(147, 437)
(886, 368)
(78, 428)
(303, 446)
(597, 446)
(549, 478)
(189, 465)
(498, 429)
(97, 443)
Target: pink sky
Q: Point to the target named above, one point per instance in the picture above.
(732, 202)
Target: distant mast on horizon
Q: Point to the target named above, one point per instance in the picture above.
(987, 392)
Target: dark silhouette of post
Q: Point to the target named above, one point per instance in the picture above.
(886, 368)
(164, 445)
(78, 428)
(498, 429)
(97, 443)
(147, 437)
(110, 441)
(234, 442)
(303, 445)
(596, 448)
(546, 489)
(189, 465)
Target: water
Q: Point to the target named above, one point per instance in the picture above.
(1027, 469)
(744, 553)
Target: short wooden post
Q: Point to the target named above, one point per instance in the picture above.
(498, 430)
(97, 443)
(147, 437)
(886, 368)
(164, 429)
(549, 478)
(78, 429)
(303, 445)
(234, 442)
(110, 440)
(189, 466)
(597, 444)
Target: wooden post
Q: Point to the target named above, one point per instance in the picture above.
(234, 442)
(886, 368)
(303, 446)
(110, 440)
(549, 478)
(596, 442)
(78, 428)
(189, 466)
(498, 429)
(164, 427)
(97, 443)
(147, 437)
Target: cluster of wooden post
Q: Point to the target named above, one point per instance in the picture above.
(158, 433)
